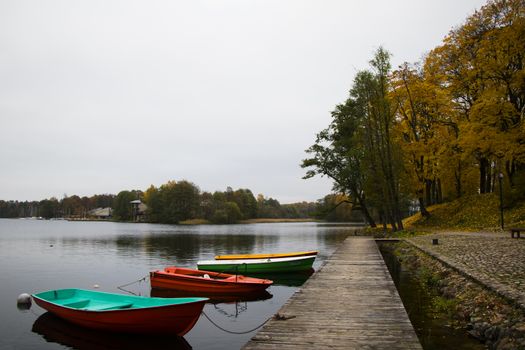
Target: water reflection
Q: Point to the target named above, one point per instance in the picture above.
(231, 310)
(182, 246)
(295, 279)
(56, 330)
(187, 246)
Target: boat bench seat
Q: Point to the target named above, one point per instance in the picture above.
(109, 306)
(76, 303)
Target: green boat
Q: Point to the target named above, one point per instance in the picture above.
(247, 266)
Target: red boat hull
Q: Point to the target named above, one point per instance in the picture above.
(189, 280)
(172, 319)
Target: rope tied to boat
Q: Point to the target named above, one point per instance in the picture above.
(232, 270)
(234, 332)
(129, 284)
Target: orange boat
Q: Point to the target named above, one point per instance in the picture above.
(206, 282)
(122, 313)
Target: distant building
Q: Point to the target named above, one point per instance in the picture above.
(138, 210)
(101, 213)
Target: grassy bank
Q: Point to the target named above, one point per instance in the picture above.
(469, 213)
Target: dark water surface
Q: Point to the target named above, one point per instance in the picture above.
(433, 330)
(38, 255)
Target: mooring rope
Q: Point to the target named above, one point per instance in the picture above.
(233, 332)
(129, 284)
(233, 270)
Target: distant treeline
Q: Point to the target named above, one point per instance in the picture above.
(73, 206)
(174, 202)
(178, 201)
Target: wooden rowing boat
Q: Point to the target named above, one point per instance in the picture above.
(270, 265)
(265, 256)
(122, 313)
(206, 282)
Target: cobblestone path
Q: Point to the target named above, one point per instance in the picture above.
(495, 260)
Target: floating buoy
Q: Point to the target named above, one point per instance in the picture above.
(23, 302)
(96, 286)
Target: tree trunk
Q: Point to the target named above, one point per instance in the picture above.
(368, 217)
(392, 222)
(483, 175)
(422, 208)
(364, 210)
(439, 192)
(382, 218)
(510, 168)
(489, 188)
(457, 178)
(428, 192)
(433, 192)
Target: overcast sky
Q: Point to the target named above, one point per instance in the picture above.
(102, 96)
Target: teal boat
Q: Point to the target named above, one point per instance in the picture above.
(247, 266)
(122, 313)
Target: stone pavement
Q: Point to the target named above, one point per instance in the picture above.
(492, 259)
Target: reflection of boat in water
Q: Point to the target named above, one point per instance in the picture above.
(214, 299)
(292, 279)
(55, 330)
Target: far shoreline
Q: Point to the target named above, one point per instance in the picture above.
(187, 222)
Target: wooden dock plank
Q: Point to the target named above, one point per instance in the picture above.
(350, 303)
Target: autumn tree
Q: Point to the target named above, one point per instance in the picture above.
(482, 66)
(425, 130)
(72, 206)
(268, 207)
(358, 151)
(48, 208)
(122, 209)
(338, 153)
(173, 202)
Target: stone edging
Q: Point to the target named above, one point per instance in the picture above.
(495, 287)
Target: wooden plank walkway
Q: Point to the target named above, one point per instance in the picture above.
(350, 303)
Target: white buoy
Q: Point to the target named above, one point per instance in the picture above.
(23, 302)
(96, 286)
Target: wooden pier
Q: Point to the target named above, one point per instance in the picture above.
(350, 303)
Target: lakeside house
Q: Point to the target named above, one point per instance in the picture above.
(101, 213)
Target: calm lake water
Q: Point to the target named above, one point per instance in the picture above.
(37, 255)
